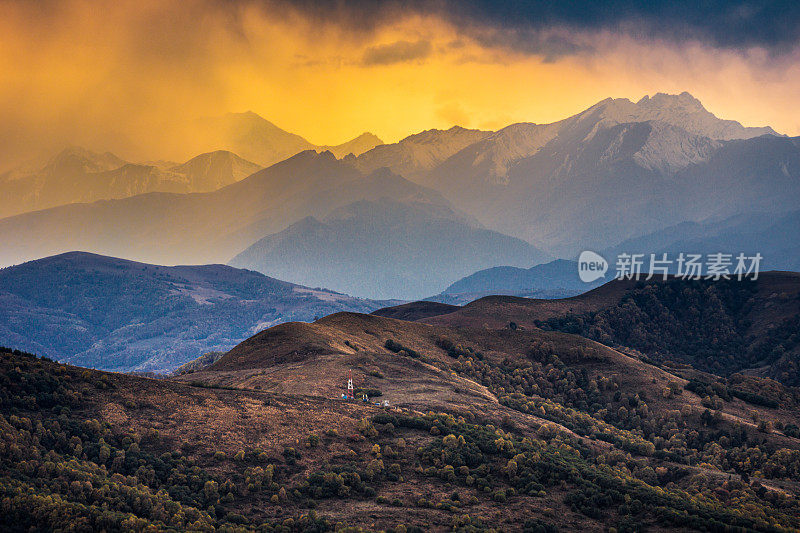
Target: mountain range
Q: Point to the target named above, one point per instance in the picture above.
(211, 227)
(103, 312)
(616, 172)
(556, 279)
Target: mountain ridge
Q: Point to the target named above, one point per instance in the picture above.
(109, 313)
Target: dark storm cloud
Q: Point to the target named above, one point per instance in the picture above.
(774, 25)
(398, 52)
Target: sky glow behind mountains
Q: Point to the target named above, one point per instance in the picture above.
(131, 76)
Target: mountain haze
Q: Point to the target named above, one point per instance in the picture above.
(79, 175)
(665, 159)
(617, 171)
(257, 139)
(201, 228)
(556, 279)
(415, 155)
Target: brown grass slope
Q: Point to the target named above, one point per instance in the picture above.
(314, 359)
(210, 427)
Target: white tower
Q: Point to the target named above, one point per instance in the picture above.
(350, 394)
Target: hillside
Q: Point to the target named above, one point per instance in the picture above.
(113, 314)
(721, 327)
(525, 430)
(384, 249)
(415, 310)
(79, 175)
(560, 383)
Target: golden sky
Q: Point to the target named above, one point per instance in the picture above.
(123, 76)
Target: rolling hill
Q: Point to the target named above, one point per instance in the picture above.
(721, 327)
(384, 249)
(108, 313)
(562, 384)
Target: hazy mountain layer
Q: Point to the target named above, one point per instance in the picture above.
(78, 175)
(617, 171)
(557, 279)
(772, 236)
(112, 314)
(203, 228)
(385, 249)
(418, 154)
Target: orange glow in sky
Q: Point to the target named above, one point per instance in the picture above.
(124, 76)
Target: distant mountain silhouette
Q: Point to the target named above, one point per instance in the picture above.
(80, 175)
(259, 140)
(556, 279)
(772, 236)
(384, 249)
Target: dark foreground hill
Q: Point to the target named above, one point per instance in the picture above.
(416, 310)
(113, 314)
(525, 431)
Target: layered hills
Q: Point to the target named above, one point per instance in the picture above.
(206, 227)
(618, 172)
(259, 140)
(366, 234)
(556, 279)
